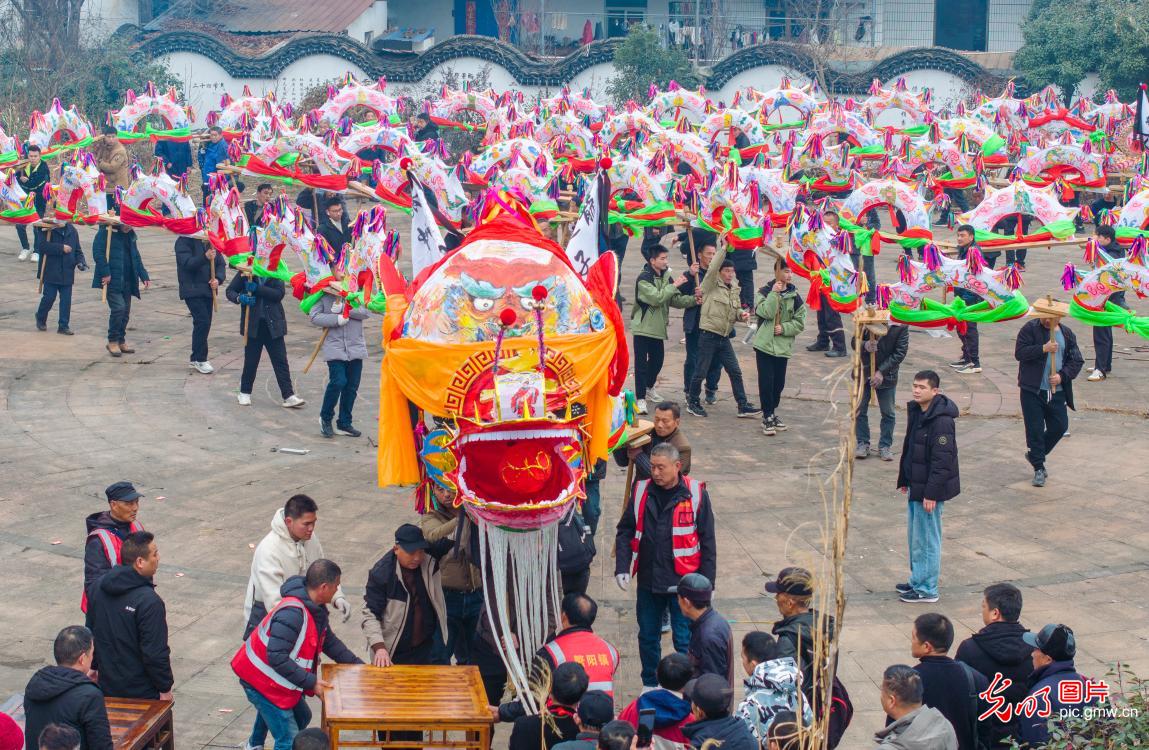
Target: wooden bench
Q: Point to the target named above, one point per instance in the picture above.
(139, 724)
(447, 705)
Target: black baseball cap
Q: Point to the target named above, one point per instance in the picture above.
(410, 538)
(1055, 641)
(709, 692)
(794, 581)
(695, 587)
(123, 492)
(595, 708)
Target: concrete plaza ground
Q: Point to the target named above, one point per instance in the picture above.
(73, 420)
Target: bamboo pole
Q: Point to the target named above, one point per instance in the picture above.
(40, 270)
(318, 347)
(108, 259)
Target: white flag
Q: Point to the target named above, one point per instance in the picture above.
(583, 246)
(427, 245)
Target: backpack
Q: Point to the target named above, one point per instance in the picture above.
(576, 544)
(841, 708)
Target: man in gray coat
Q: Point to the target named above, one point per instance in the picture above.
(913, 726)
(344, 350)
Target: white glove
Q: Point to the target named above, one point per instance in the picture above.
(623, 580)
(337, 306)
(344, 607)
(341, 321)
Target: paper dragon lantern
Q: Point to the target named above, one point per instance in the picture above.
(1020, 198)
(350, 94)
(225, 222)
(9, 148)
(1108, 275)
(677, 101)
(138, 107)
(67, 125)
(821, 255)
(81, 190)
(511, 361)
(15, 203)
(141, 200)
(915, 106)
(240, 115)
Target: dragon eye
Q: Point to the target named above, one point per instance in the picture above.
(482, 304)
(527, 303)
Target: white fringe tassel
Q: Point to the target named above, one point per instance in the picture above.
(523, 564)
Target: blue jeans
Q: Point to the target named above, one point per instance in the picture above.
(65, 292)
(283, 723)
(119, 310)
(924, 533)
(592, 506)
(342, 386)
(885, 407)
(649, 608)
(463, 611)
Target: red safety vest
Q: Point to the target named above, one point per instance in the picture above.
(687, 549)
(598, 658)
(250, 661)
(112, 544)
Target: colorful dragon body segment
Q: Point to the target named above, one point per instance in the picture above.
(1105, 277)
(817, 253)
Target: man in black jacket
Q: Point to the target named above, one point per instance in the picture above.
(666, 531)
(711, 648)
(793, 592)
(129, 623)
(334, 227)
(999, 653)
(200, 270)
(704, 242)
(106, 532)
(710, 699)
(947, 685)
(120, 268)
(970, 362)
(32, 177)
(1047, 362)
(886, 345)
(280, 636)
(568, 685)
(425, 129)
(1106, 238)
(928, 475)
(60, 255)
(65, 694)
(265, 324)
(253, 209)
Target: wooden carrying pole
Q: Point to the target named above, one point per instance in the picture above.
(318, 347)
(40, 270)
(108, 260)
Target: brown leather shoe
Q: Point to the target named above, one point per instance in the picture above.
(127, 348)
(113, 348)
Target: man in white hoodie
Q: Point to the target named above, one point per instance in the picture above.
(287, 550)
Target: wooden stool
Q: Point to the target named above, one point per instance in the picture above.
(138, 724)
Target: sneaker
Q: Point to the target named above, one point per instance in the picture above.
(836, 353)
(666, 621)
(653, 395)
(695, 408)
(348, 430)
(746, 411)
(959, 364)
(711, 397)
(1039, 477)
(41, 326)
(35, 257)
(779, 424)
(325, 428)
(248, 746)
(862, 451)
(24, 254)
(817, 347)
(204, 368)
(914, 597)
(293, 402)
(768, 428)
(902, 588)
(971, 368)
(1096, 375)
(640, 406)
(886, 454)
(244, 399)
(65, 331)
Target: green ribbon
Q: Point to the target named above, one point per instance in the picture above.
(873, 149)
(59, 149)
(17, 213)
(8, 156)
(933, 311)
(125, 135)
(644, 217)
(283, 273)
(1113, 315)
(1059, 229)
(992, 145)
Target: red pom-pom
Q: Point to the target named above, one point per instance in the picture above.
(508, 317)
(405, 163)
(539, 293)
(606, 162)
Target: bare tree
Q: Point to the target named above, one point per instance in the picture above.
(50, 27)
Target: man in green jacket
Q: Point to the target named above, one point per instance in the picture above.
(654, 295)
(781, 317)
(721, 309)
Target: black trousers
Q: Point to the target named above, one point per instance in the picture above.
(576, 581)
(830, 326)
(969, 343)
(200, 309)
(711, 347)
(492, 671)
(1103, 339)
(276, 352)
(771, 380)
(648, 357)
(1046, 421)
(712, 376)
(745, 287)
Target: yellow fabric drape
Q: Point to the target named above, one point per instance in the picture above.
(420, 371)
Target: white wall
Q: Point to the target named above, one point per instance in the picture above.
(105, 16)
(763, 78)
(371, 24)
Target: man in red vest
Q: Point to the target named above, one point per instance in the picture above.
(277, 664)
(106, 533)
(578, 643)
(666, 531)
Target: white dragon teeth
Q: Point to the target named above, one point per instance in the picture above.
(488, 436)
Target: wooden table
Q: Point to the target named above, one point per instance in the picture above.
(138, 724)
(447, 704)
